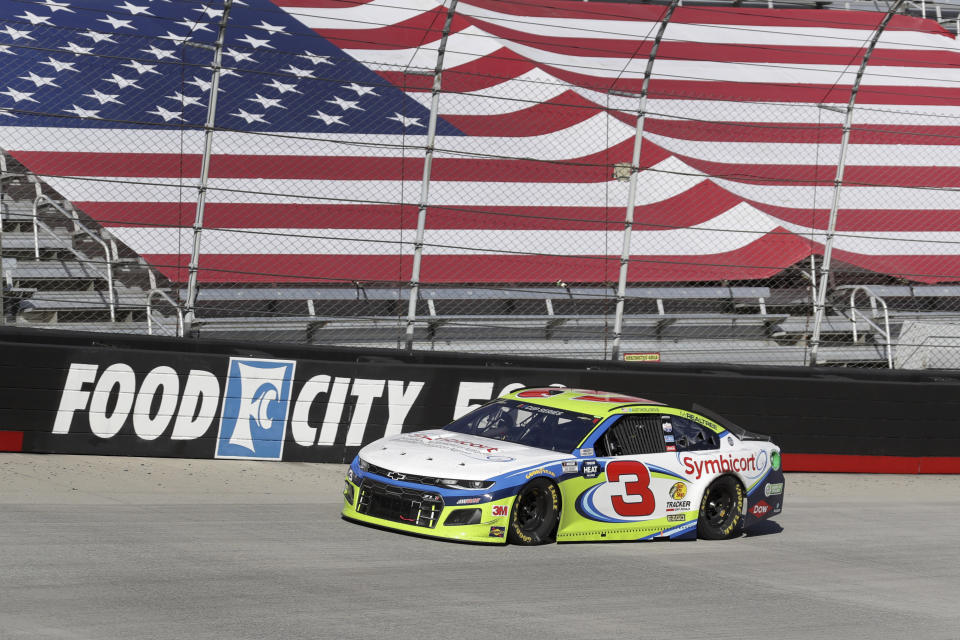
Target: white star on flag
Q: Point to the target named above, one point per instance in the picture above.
(407, 122)
(266, 103)
(361, 91)
(122, 82)
(59, 65)
(96, 36)
(35, 19)
(102, 98)
(211, 13)
(18, 95)
(55, 6)
(160, 53)
(84, 113)
(345, 104)
(271, 29)
(300, 73)
(256, 43)
(135, 10)
(186, 101)
(172, 37)
(193, 26)
(327, 118)
(141, 68)
(116, 23)
(16, 34)
(250, 117)
(77, 49)
(239, 56)
(39, 81)
(166, 114)
(282, 87)
(314, 58)
(200, 83)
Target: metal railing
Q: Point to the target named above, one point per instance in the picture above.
(78, 227)
(163, 294)
(854, 312)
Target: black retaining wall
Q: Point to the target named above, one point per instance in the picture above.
(323, 402)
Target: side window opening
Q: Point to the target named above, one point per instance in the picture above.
(690, 436)
(632, 435)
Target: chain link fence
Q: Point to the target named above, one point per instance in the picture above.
(304, 188)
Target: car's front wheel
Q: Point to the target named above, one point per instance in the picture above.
(535, 513)
(721, 510)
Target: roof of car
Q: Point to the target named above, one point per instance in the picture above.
(588, 401)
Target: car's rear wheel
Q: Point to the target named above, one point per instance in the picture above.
(721, 510)
(535, 513)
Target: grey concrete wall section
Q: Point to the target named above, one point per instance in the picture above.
(102, 548)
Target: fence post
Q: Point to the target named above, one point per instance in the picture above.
(632, 192)
(425, 184)
(820, 302)
(194, 265)
(3, 282)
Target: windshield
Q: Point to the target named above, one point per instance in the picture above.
(529, 424)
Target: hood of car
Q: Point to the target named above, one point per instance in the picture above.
(446, 454)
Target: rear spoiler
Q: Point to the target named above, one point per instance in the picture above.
(733, 428)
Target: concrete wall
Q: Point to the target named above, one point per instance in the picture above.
(101, 394)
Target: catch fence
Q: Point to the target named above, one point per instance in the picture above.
(642, 182)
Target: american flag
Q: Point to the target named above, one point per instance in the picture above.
(321, 128)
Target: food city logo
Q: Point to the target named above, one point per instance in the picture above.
(256, 405)
(749, 465)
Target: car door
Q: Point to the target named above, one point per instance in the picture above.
(638, 490)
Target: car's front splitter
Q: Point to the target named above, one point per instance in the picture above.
(491, 527)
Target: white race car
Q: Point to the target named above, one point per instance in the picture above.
(545, 464)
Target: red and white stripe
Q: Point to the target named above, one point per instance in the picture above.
(738, 157)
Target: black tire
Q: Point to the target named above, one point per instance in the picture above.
(535, 513)
(721, 510)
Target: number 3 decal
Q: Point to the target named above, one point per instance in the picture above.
(639, 487)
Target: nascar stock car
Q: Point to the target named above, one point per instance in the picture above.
(544, 464)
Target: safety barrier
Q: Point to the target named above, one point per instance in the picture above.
(82, 393)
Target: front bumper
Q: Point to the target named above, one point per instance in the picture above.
(425, 511)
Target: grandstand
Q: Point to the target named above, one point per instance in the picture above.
(63, 267)
(60, 277)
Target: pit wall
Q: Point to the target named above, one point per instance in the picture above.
(96, 394)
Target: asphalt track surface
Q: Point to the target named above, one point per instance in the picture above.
(134, 548)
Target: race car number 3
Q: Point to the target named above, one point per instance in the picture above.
(641, 501)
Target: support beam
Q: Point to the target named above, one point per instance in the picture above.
(632, 192)
(425, 184)
(821, 299)
(194, 266)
